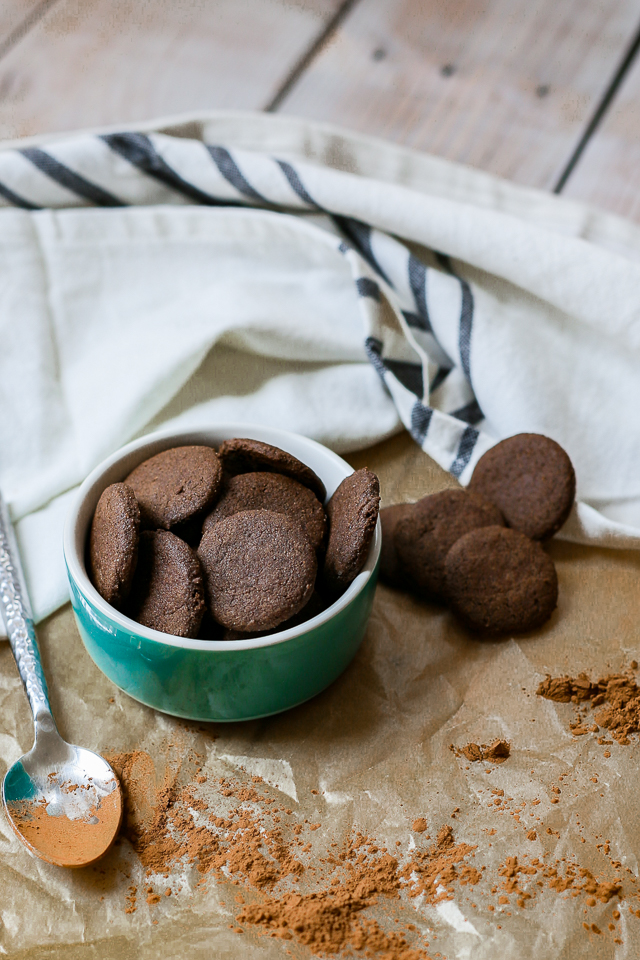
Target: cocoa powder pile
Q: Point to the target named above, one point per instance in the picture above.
(496, 752)
(617, 694)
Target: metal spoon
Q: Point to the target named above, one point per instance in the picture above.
(63, 801)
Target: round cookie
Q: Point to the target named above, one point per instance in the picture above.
(531, 479)
(259, 569)
(500, 582)
(353, 514)
(113, 543)
(167, 592)
(175, 485)
(424, 537)
(242, 455)
(276, 492)
(311, 609)
(390, 571)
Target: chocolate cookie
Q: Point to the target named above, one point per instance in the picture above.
(167, 592)
(276, 492)
(175, 485)
(500, 582)
(113, 543)
(531, 479)
(259, 569)
(242, 455)
(353, 513)
(424, 537)
(311, 609)
(390, 571)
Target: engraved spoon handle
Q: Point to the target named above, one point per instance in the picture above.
(19, 625)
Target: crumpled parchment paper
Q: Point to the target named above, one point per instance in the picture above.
(377, 744)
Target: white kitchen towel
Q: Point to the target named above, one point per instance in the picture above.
(274, 271)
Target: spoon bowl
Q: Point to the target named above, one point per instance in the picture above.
(63, 801)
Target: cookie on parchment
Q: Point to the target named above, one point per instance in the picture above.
(424, 536)
(500, 582)
(276, 492)
(167, 592)
(390, 571)
(175, 485)
(259, 569)
(353, 514)
(242, 455)
(113, 543)
(532, 481)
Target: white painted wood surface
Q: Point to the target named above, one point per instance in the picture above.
(608, 172)
(18, 16)
(504, 85)
(90, 62)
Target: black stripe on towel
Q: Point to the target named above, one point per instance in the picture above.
(414, 320)
(418, 283)
(420, 420)
(139, 151)
(466, 316)
(16, 200)
(470, 413)
(360, 236)
(441, 375)
(69, 179)
(466, 324)
(409, 375)
(466, 446)
(368, 288)
(373, 346)
(296, 183)
(233, 174)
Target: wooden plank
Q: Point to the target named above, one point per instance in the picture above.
(93, 62)
(17, 17)
(505, 86)
(608, 171)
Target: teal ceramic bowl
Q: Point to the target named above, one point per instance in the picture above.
(215, 680)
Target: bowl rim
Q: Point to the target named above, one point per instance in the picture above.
(171, 437)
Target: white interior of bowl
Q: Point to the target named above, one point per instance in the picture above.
(331, 468)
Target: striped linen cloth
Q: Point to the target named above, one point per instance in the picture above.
(348, 287)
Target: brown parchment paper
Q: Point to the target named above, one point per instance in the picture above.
(377, 744)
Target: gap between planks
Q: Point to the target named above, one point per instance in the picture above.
(309, 56)
(600, 111)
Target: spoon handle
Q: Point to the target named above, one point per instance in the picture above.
(19, 625)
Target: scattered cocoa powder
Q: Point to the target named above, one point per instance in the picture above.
(329, 920)
(131, 898)
(146, 808)
(169, 825)
(341, 901)
(617, 694)
(496, 752)
(434, 871)
(561, 877)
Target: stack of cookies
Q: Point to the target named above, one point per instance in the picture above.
(228, 544)
(479, 550)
